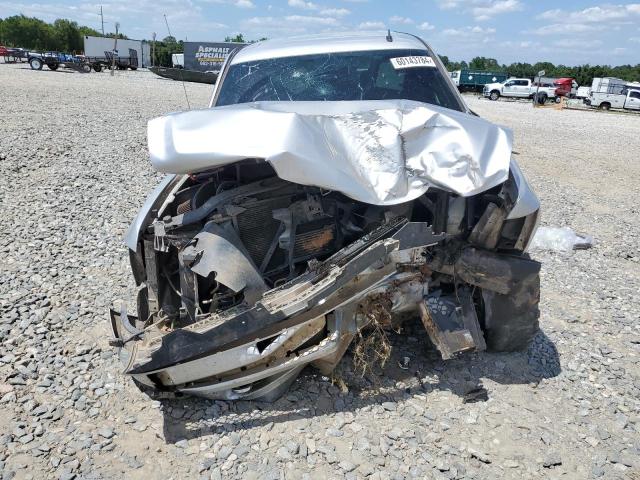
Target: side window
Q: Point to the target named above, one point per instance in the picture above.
(389, 78)
(509, 84)
(635, 95)
(522, 83)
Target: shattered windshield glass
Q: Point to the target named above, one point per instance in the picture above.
(407, 74)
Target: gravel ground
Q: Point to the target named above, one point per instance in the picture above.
(74, 170)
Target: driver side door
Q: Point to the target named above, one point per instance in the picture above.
(509, 88)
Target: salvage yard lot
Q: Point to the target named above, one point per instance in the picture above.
(74, 171)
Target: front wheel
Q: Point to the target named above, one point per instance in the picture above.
(52, 66)
(495, 95)
(36, 64)
(86, 68)
(511, 321)
(97, 67)
(605, 106)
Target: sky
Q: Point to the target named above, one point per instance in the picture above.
(569, 32)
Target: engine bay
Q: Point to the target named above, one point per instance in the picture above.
(278, 229)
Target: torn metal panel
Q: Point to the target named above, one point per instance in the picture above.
(486, 233)
(216, 250)
(498, 273)
(335, 282)
(382, 152)
(253, 355)
(247, 384)
(453, 329)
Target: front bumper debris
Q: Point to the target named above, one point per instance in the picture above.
(255, 351)
(261, 339)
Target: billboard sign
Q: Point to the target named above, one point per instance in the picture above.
(207, 56)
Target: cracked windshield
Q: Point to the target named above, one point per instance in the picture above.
(337, 76)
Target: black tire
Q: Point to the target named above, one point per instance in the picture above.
(133, 68)
(86, 68)
(52, 66)
(36, 63)
(494, 95)
(605, 106)
(97, 68)
(511, 321)
(558, 99)
(540, 98)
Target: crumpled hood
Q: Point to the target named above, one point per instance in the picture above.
(381, 152)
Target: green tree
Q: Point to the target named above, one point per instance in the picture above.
(483, 63)
(239, 38)
(67, 36)
(35, 34)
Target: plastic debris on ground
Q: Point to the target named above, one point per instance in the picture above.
(560, 239)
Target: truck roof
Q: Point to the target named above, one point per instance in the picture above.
(326, 43)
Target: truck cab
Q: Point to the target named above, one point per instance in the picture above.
(628, 99)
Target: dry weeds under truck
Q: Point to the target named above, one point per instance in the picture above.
(332, 176)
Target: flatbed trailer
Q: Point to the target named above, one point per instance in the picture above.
(110, 60)
(55, 60)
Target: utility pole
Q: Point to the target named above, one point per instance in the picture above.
(153, 49)
(102, 20)
(115, 49)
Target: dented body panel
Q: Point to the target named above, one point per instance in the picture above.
(379, 152)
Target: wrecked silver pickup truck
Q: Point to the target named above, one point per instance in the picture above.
(332, 176)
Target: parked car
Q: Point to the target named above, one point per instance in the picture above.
(520, 88)
(628, 99)
(337, 183)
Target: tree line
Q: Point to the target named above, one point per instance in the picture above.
(34, 34)
(583, 74)
(67, 36)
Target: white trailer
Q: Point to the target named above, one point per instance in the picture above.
(95, 47)
(177, 60)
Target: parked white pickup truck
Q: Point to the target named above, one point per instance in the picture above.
(519, 88)
(627, 100)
